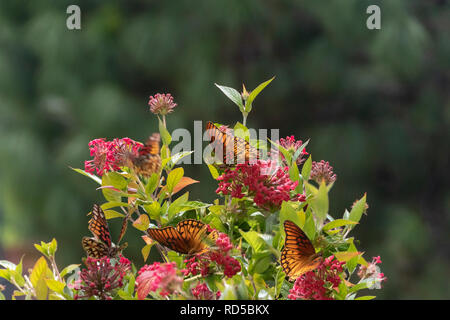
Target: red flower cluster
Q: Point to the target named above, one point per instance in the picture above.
(101, 278)
(269, 185)
(202, 292)
(318, 284)
(372, 272)
(322, 171)
(292, 145)
(158, 276)
(201, 263)
(161, 103)
(110, 155)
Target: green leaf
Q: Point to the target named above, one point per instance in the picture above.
(37, 278)
(177, 157)
(41, 249)
(253, 94)
(306, 169)
(52, 247)
(111, 195)
(319, 203)
(68, 269)
(6, 274)
(233, 95)
(298, 151)
(294, 174)
(142, 223)
(146, 250)
(111, 214)
(337, 223)
(358, 209)
(174, 207)
(165, 135)
(8, 265)
(87, 174)
(193, 205)
(287, 155)
(55, 285)
(309, 227)
(288, 212)
(213, 171)
(365, 298)
(254, 240)
(152, 184)
(262, 263)
(173, 178)
(241, 131)
(279, 279)
(112, 204)
(153, 209)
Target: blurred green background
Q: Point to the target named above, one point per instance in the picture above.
(375, 103)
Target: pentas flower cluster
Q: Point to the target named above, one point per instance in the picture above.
(318, 284)
(292, 145)
(220, 256)
(110, 155)
(162, 277)
(268, 184)
(202, 292)
(101, 278)
(161, 103)
(372, 272)
(322, 171)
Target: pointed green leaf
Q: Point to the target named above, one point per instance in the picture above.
(233, 95)
(254, 93)
(358, 209)
(173, 178)
(165, 135)
(87, 174)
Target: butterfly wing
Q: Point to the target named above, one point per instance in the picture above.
(94, 248)
(187, 238)
(234, 149)
(149, 160)
(98, 225)
(298, 255)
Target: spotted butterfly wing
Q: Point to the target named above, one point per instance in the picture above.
(189, 237)
(94, 248)
(234, 149)
(100, 245)
(99, 226)
(148, 161)
(298, 255)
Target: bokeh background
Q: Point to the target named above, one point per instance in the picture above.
(375, 104)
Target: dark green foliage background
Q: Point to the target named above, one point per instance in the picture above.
(374, 103)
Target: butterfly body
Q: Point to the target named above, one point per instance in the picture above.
(189, 237)
(232, 150)
(148, 161)
(100, 244)
(298, 255)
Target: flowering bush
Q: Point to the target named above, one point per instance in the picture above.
(235, 249)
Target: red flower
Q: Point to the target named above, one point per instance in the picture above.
(202, 292)
(100, 278)
(161, 103)
(322, 171)
(268, 184)
(110, 155)
(318, 284)
(292, 145)
(158, 276)
(217, 257)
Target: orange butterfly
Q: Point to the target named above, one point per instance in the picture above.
(298, 255)
(189, 237)
(148, 161)
(234, 149)
(100, 245)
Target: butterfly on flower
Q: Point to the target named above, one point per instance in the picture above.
(230, 149)
(189, 237)
(100, 245)
(148, 160)
(298, 255)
